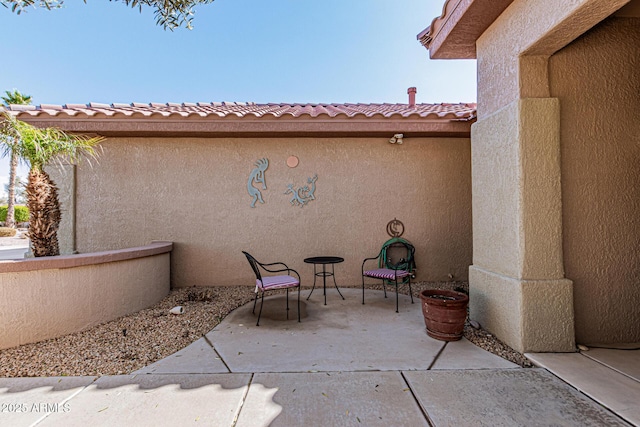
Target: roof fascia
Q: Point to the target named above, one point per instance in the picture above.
(453, 35)
(414, 127)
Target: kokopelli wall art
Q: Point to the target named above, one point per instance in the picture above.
(302, 195)
(257, 177)
(299, 196)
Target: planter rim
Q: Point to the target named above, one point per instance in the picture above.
(427, 294)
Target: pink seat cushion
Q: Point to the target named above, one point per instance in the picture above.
(386, 273)
(277, 282)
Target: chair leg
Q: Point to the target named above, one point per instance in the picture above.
(384, 288)
(260, 313)
(410, 291)
(287, 303)
(363, 290)
(396, 294)
(255, 300)
(298, 303)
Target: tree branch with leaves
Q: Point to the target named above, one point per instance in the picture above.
(170, 14)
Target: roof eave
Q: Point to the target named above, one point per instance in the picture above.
(453, 34)
(331, 127)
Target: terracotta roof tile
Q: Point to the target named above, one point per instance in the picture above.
(248, 109)
(248, 119)
(427, 35)
(51, 107)
(14, 107)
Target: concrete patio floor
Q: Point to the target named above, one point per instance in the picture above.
(345, 364)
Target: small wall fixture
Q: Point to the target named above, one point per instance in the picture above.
(396, 139)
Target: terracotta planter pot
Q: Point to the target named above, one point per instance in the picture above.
(444, 313)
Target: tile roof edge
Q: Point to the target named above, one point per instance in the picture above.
(426, 36)
(454, 33)
(248, 111)
(21, 107)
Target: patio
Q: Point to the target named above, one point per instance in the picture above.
(354, 365)
(344, 364)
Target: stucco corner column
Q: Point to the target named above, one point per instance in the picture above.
(517, 286)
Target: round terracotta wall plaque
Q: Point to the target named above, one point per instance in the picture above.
(292, 161)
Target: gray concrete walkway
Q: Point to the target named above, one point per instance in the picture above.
(345, 364)
(609, 376)
(13, 247)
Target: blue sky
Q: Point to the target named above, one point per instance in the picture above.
(329, 51)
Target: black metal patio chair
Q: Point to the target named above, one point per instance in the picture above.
(388, 270)
(270, 283)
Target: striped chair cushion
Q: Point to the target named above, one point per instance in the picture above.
(277, 282)
(386, 273)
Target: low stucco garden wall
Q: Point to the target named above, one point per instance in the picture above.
(42, 298)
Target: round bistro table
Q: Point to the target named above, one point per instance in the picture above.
(324, 261)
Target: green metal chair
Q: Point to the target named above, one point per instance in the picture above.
(395, 268)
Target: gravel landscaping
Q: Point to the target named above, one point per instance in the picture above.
(132, 342)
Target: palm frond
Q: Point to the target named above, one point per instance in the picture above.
(41, 146)
(8, 134)
(15, 97)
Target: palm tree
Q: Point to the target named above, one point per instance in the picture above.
(17, 98)
(39, 147)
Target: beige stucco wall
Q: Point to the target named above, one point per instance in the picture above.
(597, 80)
(518, 284)
(194, 193)
(512, 54)
(49, 297)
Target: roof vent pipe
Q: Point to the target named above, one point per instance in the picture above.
(412, 96)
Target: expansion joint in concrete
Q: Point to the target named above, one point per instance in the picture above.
(415, 397)
(217, 353)
(435, 359)
(241, 403)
